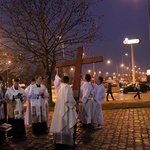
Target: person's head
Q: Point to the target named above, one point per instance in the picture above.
(87, 77)
(66, 79)
(38, 79)
(100, 80)
(43, 81)
(33, 81)
(16, 82)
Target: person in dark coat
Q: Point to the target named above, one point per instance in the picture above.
(137, 86)
(109, 91)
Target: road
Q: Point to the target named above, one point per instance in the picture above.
(120, 97)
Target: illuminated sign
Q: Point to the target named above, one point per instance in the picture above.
(148, 72)
(131, 41)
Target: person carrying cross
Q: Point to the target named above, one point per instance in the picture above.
(65, 117)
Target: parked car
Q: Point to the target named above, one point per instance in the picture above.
(131, 88)
(148, 87)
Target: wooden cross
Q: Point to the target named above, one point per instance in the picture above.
(78, 68)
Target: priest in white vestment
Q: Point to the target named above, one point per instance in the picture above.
(65, 116)
(15, 97)
(85, 103)
(99, 96)
(28, 117)
(38, 97)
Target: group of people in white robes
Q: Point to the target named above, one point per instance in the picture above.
(37, 112)
(91, 98)
(65, 117)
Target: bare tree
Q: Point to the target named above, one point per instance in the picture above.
(46, 31)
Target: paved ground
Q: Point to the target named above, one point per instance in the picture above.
(123, 129)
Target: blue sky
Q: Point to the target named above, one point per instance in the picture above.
(122, 18)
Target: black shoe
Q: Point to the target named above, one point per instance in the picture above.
(113, 99)
(83, 126)
(108, 100)
(89, 128)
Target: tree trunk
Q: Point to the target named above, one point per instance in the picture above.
(49, 87)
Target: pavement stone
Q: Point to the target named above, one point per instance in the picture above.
(123, 129)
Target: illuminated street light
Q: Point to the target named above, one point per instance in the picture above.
(108, 61)
(89, 71)
(71, 69)
(131, 42)
(94, 74)
(7, 63)
(122, 65)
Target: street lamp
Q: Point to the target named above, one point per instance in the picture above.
(122, 66)
(148, 8)
(89, 71)
(71, 75)
(131, 42)
(108, 61)
(7, 63)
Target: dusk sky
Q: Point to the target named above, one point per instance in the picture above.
(122, 18)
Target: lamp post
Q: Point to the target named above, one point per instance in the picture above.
(109, 62)
(71, 74)
(7, 83)
(131, 42)
(148, 8)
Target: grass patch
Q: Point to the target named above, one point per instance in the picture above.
(110, 106)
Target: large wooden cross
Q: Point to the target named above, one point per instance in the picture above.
(78, 68)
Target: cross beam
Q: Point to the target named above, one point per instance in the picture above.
(78, 68)
(84, 61)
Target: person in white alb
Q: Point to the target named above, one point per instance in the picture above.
(85, 103)
(38, 97)
(99, 96)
